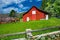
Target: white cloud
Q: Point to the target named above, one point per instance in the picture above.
(12, 1)
(22, 0)
(35, 0)
(4, 3)
(30, 0)
(9, 9)
(39, 0)
(7, 2)
(25, 8)
(21, 6)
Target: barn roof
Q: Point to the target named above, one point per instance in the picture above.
(37, 9)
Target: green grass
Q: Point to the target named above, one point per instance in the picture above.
(22, 26)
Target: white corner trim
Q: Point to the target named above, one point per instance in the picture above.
(46, 17)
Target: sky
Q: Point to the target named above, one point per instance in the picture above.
(18, 5)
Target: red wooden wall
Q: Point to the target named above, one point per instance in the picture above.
(39, 15)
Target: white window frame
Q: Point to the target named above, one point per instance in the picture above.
(34, 12)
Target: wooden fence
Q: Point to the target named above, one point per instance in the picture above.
(20, 34)
(49, 36)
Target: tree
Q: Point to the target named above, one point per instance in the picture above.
(51, 6)
(21, 15)
(12, 13)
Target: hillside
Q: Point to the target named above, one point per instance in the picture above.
(22, 26)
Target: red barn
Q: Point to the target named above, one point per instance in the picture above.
(35, 14)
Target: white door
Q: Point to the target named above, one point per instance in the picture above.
(28, 19)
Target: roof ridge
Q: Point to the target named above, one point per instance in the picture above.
(37, 9)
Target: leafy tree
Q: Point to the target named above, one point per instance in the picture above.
(12, 13)
(51, 6)
(21, 15)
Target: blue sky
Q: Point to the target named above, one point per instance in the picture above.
(18, 5)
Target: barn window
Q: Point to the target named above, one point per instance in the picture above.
(34, 12)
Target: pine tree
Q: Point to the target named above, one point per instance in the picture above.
(12, 13)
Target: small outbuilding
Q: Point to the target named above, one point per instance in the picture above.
(35, 14)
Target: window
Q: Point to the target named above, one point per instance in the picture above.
(33, 12)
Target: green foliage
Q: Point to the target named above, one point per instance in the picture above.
(12, 13)
(21, 15)
(51, 6)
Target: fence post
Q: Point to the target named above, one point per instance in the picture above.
(29, 34)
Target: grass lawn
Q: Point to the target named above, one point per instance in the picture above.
(22, 26)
